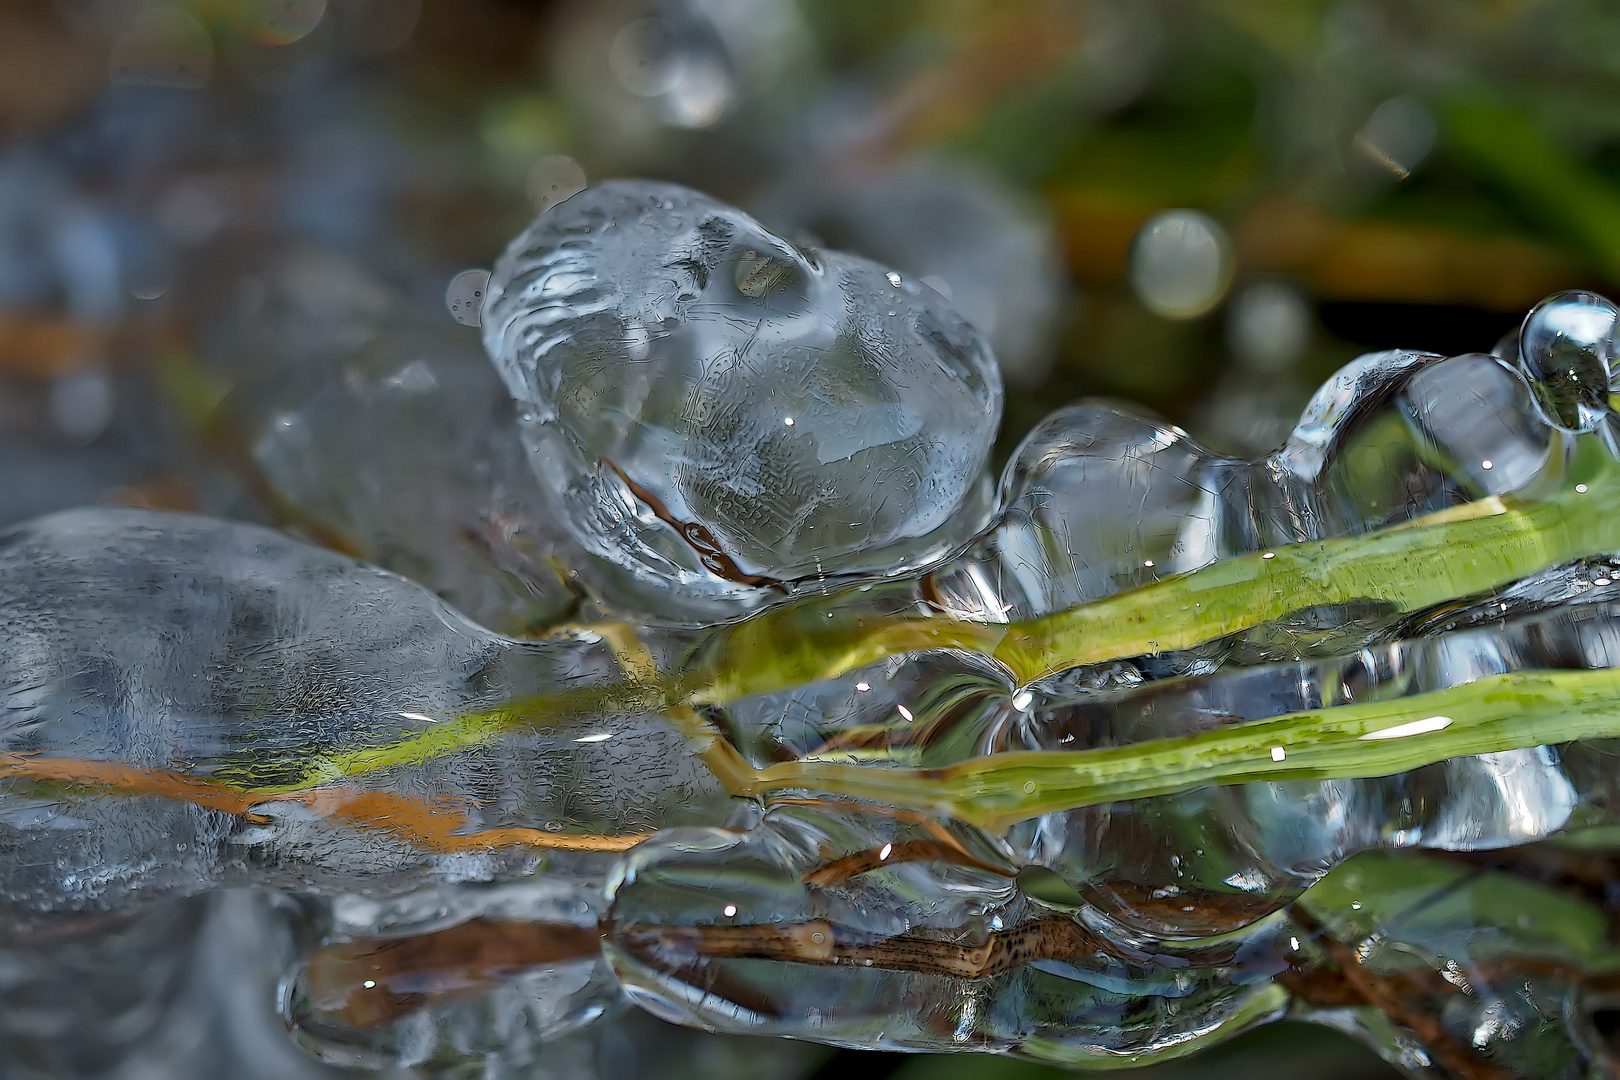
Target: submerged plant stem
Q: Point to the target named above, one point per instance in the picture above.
(1466, 550)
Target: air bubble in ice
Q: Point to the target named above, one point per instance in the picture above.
(1566, 348)
(660, 339)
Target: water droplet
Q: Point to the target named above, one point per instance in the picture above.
(465, 296)
(1566, 347)
(1181, 264)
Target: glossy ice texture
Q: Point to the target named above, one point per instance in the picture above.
(382, 431)
(1567, 351)
(724, 414)
(1390, 437)
(1126, 775)
(240, 658)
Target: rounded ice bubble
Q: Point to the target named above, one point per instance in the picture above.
(728, 416)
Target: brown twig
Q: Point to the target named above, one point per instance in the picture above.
(372, 981)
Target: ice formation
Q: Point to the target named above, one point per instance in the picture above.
(721, 413)
(1168, 745)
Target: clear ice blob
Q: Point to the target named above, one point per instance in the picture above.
(381, 431)
(828, 924)
(727, 416)
(1098, 499)
(243, 660)
(1567, 351)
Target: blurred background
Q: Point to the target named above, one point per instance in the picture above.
(209, 207)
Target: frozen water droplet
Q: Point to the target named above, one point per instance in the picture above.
(81, 404)
(1566, 347)
(660, 339)
(1181, 264)
(465, 296)
(552, 179)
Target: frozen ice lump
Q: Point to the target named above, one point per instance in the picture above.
(727, 416)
